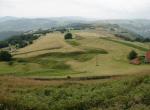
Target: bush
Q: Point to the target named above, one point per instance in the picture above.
(68, 36)
(132, 55)
(10, 63)
(5, 56)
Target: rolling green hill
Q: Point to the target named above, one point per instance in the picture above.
(92, 52)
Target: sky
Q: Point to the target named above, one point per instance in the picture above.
(101, 9)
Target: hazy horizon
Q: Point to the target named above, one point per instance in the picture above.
(97, 9)
(74, 17)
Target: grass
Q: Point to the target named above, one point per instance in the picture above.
(53, 42)
(115, 62)
(37, 69)
(73, 60)
(127, 44)
(120, 94)
(52, 64)
(73, 42)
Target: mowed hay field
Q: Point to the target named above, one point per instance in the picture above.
(90, 53)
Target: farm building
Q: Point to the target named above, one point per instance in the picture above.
(147, 57)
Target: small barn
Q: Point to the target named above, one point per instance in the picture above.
(147, 57)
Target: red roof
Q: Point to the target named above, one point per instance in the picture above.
(147, 56)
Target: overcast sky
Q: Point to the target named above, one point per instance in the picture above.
(102, 9)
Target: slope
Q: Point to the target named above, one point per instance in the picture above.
(92, 52)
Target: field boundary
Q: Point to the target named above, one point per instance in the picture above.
(37, 50)
(69, 78)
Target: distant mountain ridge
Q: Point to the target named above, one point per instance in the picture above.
(139, 26)
(11, 25)
(6, 18)
(25, 24)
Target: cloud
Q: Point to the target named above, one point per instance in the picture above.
(103, 9)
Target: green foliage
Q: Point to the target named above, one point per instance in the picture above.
(61, 66)
(5, 56)
(73, 42)
(127, 93)
(10, 63)
(44, 32)
(3, 44)
(138, 39)
(23, 40)
(68, 36)
(132, 55)
(141, 39)
(96, 51)
(62, 30)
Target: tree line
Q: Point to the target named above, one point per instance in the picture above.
(138, 39)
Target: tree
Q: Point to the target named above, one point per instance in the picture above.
(68, 36)
(132, 55)
(5, 56)
(3, 44)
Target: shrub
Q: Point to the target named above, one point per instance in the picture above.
(5, 56)
(68, 36)
(132, 55)
(10, 63)
(61, 66)
(73, 42)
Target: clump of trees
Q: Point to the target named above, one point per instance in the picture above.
(124, 37)
(132, 55)
(23, 40)
(68, 36)
(19, 41)
(138, 39)
(63, 30)
(5, 56)
(141, 39)
(3, 44)
(44, 32)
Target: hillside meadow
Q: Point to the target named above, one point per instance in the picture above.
(89, 53)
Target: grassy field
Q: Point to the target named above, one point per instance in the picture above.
(53, 42)
(90, 53)
(52, 64)
(122, 93)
